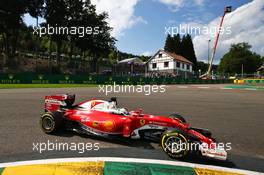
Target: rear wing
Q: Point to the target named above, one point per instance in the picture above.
(55, 102)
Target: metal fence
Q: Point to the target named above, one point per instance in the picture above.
(28, 78)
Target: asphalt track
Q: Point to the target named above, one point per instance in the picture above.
(232, 115)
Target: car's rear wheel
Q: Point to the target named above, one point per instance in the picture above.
(175, 144)
(178, 117)
(50, 122)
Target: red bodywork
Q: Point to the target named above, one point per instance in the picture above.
(110, 123)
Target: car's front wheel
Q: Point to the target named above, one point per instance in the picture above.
(175, 144)
(50, 122)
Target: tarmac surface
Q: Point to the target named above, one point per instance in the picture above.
(234, 116)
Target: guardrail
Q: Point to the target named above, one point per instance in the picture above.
(250, 81)
(97, 79)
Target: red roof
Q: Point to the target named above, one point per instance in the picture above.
(178, 57)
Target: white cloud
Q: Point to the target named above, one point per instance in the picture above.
(174, 5)
(147, 53)
(246, 24)
(177, 3)
(121, 14)
(199, 2)
(30, 21)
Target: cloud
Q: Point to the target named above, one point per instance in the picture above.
(121, 14)
(147, 53)
(177, 3)
(199, 2)
(30, 21)
(246, 24)
(174, 5)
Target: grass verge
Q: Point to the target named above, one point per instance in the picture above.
(245, 87)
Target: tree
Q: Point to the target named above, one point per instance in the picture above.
(169, 44)
(10, 20)
(79, 14)
(35, 8)
(187, 50)
(176, 44)
(113, 56)
(239, 56)
(173, 43)
(61, 15)
(55, 13)
(11, 13)
(99, 44)
(74, 19)
(204, 67)
(183, 47)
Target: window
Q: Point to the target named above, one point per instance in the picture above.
(178, 64)
(154, 65)
(188, 67)
(183, 66)
(166, 64)
(160, 55)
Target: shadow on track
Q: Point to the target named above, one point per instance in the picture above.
(150, 150)
(142, 143)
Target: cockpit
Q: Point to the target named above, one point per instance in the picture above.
(105, 106)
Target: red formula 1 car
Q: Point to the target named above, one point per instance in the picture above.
(105, 119)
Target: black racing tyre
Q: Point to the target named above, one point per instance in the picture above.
(51, 122)
(175, 144)
(178, 117)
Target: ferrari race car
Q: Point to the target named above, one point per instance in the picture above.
(105, 119)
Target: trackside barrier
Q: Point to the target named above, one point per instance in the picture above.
(250, 81)
(118, 166)
(97, 79)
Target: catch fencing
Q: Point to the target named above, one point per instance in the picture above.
(98, 79)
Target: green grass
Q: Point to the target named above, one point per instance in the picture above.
(245, 87)
(18, 86)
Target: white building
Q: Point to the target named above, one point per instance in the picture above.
(167, 62)
(130, 66)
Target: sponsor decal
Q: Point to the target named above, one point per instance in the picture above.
(54, 101)
(40, 77)
(95, 124)
(84, 119)
(153, 126)
(109, 125)
(158, 123)
(67, 77)
(142, 122)
(10, 76)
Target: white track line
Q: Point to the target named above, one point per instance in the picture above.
(131, 160)
(182, 86)
(251, 89)
(203, 87)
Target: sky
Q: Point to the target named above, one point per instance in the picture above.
(141, 26)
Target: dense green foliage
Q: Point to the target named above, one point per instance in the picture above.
(239, 58)
(15, 37)
(181, 46)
